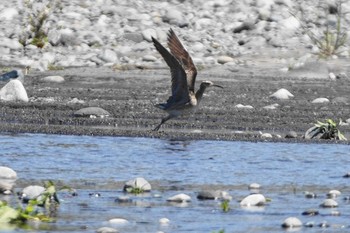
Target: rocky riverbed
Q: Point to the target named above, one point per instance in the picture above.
(102, 53)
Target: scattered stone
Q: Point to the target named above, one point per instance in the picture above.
(8, 178)
(138, 183)
(329, 203)
(291, 134)
(106, 230)
(149, 58)
(244, 106)
(335, 213)
(341, 100)
(310, 212)
(282, 94)
(53, 79)
(164, 221)
(320, 101)
(271, 107)
(14, 91)
(118, 221)
(254, 186)
(32, 192)
(292, 222)
(76, 101)
(347, 175)
(149, 33)
(225, 59)
(333, 194)
(253, 200)
(332, 76)
(179, 198)
(91, 112)
(109, 56)
(266, 135)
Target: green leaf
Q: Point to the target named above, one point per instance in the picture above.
(7, 214)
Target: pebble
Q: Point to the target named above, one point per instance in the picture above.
(310, 195)
(292, 222)
(244, 106)
(291, 134)
(271, 107)
(118, 221)
(91, 112)
(320, 100)
(140, 183)
(106, 230)
(266, 135)
(347, 175)
(179, 198)
(333, 193)
(282, 94)
(224, 59)
(254, 186)
(329, 203)
(253, 200)
(53, 79)
(164, 221)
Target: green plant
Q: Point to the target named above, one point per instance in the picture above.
(332, 38)
(225, 205)
(325, 130)
(35, 20)
(135, 190)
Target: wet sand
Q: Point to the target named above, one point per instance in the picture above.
(128, 94)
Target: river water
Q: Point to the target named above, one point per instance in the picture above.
(102, 164)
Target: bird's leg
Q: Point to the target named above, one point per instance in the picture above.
(162, 122)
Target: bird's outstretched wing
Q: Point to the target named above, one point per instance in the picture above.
(180, 53)
(180, 93)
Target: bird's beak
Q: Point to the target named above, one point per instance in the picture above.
(214, 85)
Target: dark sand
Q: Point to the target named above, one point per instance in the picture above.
(128, 96)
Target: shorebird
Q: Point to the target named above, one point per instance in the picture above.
(183, 78)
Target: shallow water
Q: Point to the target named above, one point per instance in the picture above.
(103, 164)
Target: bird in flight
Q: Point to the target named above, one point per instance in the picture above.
(183, 98)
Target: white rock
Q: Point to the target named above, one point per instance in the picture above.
(291, 222)
(320, 100)
(8, 14)
(53, 79)
(332, 76)
(109, 55)
(224, 59)
(180, 198)
(329, 203)
(164, 221)
(282, 94)
(271, 107)
(118, 221)
(149, 58)
(149, 33)
(266, 135)
(334, 193)
(14, 91)
(244, 106)
(253, 200)
(91, 111)
(254, 186)
(106, 230)
(7, 173)
(7, 179)
(140, 183)
(32, 192)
